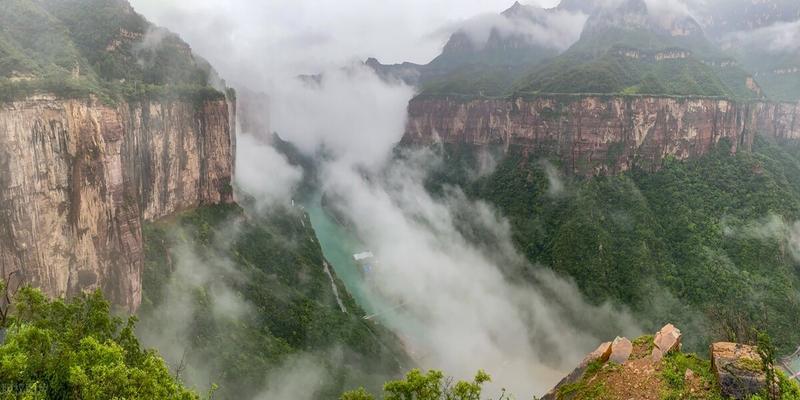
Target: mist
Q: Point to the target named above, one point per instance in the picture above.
(664, 13)
(556, 29)
(168, 327)
(778, 38)
(447, 263)
(254, 158)
(461, 313)
(770, 228)
(250, 40)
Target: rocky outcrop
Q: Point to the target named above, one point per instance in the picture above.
(739, 370)
(621, 350)
(667, 340)
(635, 374)
(601, 355)
(600, 135)
(79, 177)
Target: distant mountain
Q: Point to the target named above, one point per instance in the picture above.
(629, 49)
(623, 48)
(764, 36)
(470, 65)
(721, 17)
(505, 46)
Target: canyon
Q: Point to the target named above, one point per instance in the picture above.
(80, 177)
(83, 176)
(595, 135)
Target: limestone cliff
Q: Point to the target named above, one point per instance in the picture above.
(598, 135)
(79, 177)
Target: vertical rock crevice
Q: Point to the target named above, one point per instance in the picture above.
(79, 178)
(602, 135)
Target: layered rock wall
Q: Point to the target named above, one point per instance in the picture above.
(79, 177)
(598, 135)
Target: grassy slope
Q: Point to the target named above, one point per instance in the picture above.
(699, 244)
(277, 268)
(64, 45)
(756, 58)
(491, 71)
(33, 41)
(471, 80)
(592, 65)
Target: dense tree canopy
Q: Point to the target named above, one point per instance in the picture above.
(76, 349)
(708, 244)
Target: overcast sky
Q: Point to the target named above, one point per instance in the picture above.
(323, 31)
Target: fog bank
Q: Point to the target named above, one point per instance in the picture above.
(455, 306)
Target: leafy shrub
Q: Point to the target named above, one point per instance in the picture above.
(430, 386)
(76, 350)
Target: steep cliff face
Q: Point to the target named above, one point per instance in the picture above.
(79, 177)
(603, 134)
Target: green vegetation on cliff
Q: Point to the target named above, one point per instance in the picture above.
(76, 350)
(244, 296)
(615, 73)
(708, 244)
(73, 48)
(426, 386)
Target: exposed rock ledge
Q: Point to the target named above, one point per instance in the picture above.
(647, 367)
(79, 177)
(600, 135)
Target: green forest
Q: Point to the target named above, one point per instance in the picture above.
(709, 244)
(273, 265)
(77, 48)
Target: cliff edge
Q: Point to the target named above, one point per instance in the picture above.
(79, 177)
(654, 367)
(600, 134)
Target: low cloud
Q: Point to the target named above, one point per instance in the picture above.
(555, 29)
(667, 14)
(302, 377)
(670, 9)
(168, 328)
(779, 38)
(263, 173)
(338, 114)
(461, 310)
(253, 40)
(463, 297)
(449, 275)
(555, 182)
(772, 227)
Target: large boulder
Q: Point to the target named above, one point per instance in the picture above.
(601, 354)
(621, 349)
(668, 339)
(739, 370)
